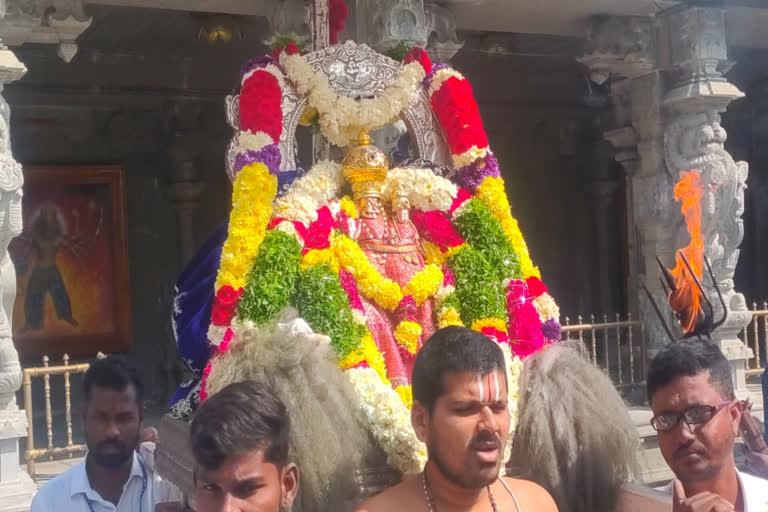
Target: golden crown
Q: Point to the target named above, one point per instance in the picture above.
(365, 167)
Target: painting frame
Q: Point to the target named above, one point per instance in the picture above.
(32, 347)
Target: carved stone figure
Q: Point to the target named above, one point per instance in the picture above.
(11, 180)
(695, 141)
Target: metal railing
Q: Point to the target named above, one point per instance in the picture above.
(617, 346)
(32, 454)
(755, 336)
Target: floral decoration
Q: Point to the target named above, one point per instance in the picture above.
(342, 118)
(390, 421)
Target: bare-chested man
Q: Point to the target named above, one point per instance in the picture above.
(460, 413)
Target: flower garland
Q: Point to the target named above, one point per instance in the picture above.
(477, 169)
(389, 420)
(311, 192)
(514, 367)
(425, 189)
(341, 118)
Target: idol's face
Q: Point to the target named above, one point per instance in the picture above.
(246, 483)
(467, 429)
(698, 452)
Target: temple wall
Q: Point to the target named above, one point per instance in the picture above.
(547, 141)
(747, 124)
(153, 106)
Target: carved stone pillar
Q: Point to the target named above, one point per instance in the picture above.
(16, 488)
(668, 92)
(382, 24)
(694, 139)
(57, 22)
(184, 187)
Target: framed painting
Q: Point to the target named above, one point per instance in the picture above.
(72, 282)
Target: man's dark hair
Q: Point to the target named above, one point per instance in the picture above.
(113, 372)
(452, 349)
(687, 359)
(242, 417)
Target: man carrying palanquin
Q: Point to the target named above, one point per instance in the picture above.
(460, 412)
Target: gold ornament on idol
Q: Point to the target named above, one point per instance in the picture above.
(365, 168)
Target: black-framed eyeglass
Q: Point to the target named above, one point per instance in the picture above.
(696, 415)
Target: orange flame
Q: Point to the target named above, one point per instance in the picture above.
(686, 299)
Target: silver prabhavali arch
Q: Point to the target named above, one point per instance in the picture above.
(356, 71)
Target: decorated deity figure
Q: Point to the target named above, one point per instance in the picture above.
(392, 247)
(406, 259)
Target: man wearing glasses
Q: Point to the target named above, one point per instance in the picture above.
(697, 417)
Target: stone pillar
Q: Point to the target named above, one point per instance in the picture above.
(602, 196)
(695, 47)
(184, 187)
(16, 487)
(668, 93)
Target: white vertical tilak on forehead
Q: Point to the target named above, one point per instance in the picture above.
(496, 385)
(480, 386)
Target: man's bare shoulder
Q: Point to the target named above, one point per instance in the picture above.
(531, 495)
(400, 497)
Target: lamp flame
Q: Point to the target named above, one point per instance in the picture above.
(685, 297)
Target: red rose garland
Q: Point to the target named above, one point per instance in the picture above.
(459, 116)
(260, 104)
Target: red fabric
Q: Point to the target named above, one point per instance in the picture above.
(337, 18)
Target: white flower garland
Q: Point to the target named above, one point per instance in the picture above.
(546, 307)
(441, 77)
(514, 368)
(248, 141)
(425, 190)
(342, 118)
(389, 421)
(469, 156)
(310, 192)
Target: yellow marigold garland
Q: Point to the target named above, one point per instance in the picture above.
(491, 192)
(252, 195)
(369, 353)
(424, 284)
(348, 206)
(407, 334)
(497, 323)
(351, 257)
(406, 395)
(316, 257)
(449, 316)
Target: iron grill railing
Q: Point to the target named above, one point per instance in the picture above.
(615, 345)
(755, 336)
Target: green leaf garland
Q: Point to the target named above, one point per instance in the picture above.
(479, 292)
(272, 280)
(324, 304)
(484, 233)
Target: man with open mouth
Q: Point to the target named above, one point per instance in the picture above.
(460, 412)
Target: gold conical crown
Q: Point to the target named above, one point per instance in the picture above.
(365, 168)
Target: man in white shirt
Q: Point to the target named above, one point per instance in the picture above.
(112, 477)
(697, 417)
